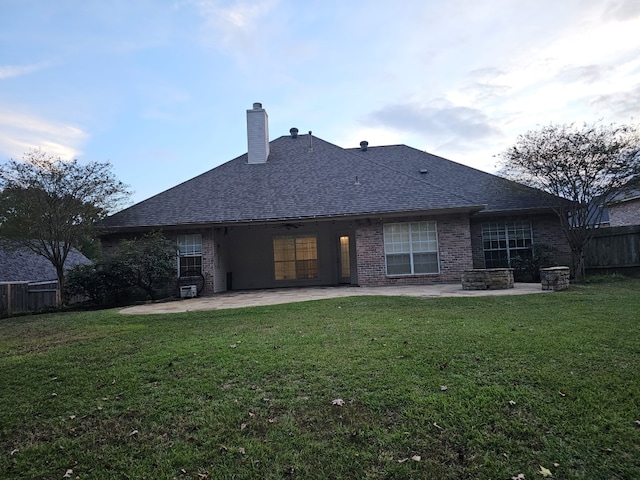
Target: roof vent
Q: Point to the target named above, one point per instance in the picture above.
(424, 170)
(363, 145)
(294, 132)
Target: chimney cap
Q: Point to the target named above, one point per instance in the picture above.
(363, 145)
(294, 132)
(257, 105)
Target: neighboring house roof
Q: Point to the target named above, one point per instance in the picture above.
(19, 264)
(628, 193)
(306, 178)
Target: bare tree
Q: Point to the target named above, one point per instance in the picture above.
(48, 205)
(582, 167)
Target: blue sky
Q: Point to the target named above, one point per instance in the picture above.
(160, 88)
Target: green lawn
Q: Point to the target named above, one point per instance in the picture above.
(489, 387)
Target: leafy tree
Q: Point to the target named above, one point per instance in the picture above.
(583, 168)
(48, 205)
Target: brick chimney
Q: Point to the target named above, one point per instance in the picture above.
(258, 134)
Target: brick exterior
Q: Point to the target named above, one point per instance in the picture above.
(545, 230)
(453, 244)
(214, 267)
(624, 213)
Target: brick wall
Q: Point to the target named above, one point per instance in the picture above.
(454, 242)
(545, 230)
(625, 213)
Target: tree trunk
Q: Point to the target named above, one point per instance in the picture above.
(63, 295)
(577, 260)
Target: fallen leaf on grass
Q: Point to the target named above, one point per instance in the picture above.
(233, 345)
(545, 472)
(133, 433)
(443, 388)
(68, 474)
(519, 477)
(512, 403)
(243, 426)
(416, 458)
(72, 417)
(14, 451)
(563, 394)
(437, 426)
(338, 401)
(637, 423)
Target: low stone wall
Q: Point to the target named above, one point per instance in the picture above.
(487, 279)
(554, 278)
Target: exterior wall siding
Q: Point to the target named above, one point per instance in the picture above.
(625, 213)
(454, 242)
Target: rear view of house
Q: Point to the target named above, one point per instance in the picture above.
(300, 211)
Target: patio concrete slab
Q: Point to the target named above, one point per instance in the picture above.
(254, 298)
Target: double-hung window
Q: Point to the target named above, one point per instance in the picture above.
(189, 254)
(295, 257)
(504, 241)
(411, 248)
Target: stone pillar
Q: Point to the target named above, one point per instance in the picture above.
(554, 278)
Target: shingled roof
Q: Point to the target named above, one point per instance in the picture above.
(19, 264)
(308, 178)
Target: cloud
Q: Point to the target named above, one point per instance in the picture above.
(585, 73)
(235, 26)
(10, 71)
(20, 132)
(623, 10)
(623, 106)
(439, 119)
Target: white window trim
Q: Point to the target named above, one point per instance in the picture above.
(412, 274)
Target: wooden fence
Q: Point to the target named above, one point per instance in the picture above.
(27, 296)
(614, 250)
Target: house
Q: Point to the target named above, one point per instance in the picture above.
(624, 208)
(300, 211)
(19, 264)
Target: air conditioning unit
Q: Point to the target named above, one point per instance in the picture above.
(189, 291)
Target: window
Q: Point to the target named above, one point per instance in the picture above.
(411, 248)
(189, 254)
(295, 258)
(502, 242)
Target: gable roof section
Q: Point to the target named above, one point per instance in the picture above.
(19, 264)
(309, 178)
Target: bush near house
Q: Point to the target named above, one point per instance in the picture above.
(141, 269)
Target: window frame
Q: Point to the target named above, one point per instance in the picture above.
(399, 243)
(300, 262)
(189, 249)
(506, 240)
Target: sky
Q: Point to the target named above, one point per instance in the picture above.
(160, 88)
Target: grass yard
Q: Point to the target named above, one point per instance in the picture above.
(480, 388)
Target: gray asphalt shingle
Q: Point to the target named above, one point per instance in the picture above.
(324, 181)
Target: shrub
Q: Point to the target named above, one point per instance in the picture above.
(527, 269)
